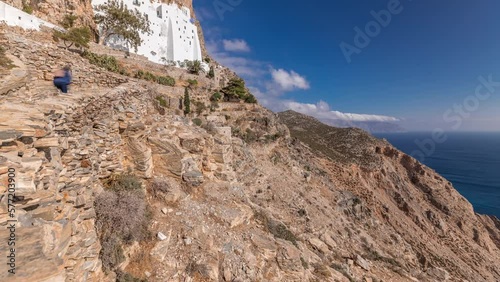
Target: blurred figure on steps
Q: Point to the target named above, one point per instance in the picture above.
(62, 78)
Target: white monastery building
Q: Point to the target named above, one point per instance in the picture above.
(174, 35)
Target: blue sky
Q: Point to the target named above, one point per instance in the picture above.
(420, 68)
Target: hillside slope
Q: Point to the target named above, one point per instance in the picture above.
(420, 208)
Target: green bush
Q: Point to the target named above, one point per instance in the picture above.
(200, 107)
(193, 67)
(27, 8)
(197, 121)
(104, 61)
(163, 80)
(166, 80)
(149, 76)
(162, 101)
(192, 82)
(68, 21)
(216, 97)
(250, 99)
(211, 73)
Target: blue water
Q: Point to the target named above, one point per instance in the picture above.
(471, 161)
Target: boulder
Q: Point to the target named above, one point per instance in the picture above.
(438, 273)
(288, 258)
(194, 144)
(47, 142)
(193, 177)
(361, 262)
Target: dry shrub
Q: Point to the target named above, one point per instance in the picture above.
(321, 271)
(123, 182)
(122, 213)
(278, 229)
(158, 188)
(195, 269)
(127, 277)
(122, 217)
(5, 62)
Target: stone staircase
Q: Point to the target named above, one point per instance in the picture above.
(55, 234)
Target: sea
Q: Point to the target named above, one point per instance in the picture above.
(470, 161)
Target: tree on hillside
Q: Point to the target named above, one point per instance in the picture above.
(78, 36)
(211, 73)
(235, 89)
(115, 19)
(250, 98)
(68, 21)
(187, 102)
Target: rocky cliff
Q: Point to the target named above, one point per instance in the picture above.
(234, 191)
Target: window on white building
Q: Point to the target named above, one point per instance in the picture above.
(136, 2)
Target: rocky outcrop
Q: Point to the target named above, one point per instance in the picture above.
(54, 11)
(15, 78)
(443, 235)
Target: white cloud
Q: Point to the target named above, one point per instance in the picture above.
(322, 111)
(289, 81)
(236, 45)
(239, 64)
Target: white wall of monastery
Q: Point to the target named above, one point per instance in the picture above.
(174, 35)
(15, 17)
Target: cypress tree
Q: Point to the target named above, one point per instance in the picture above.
(187, 102)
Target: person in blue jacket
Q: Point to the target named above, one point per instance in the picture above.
(62, 79)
